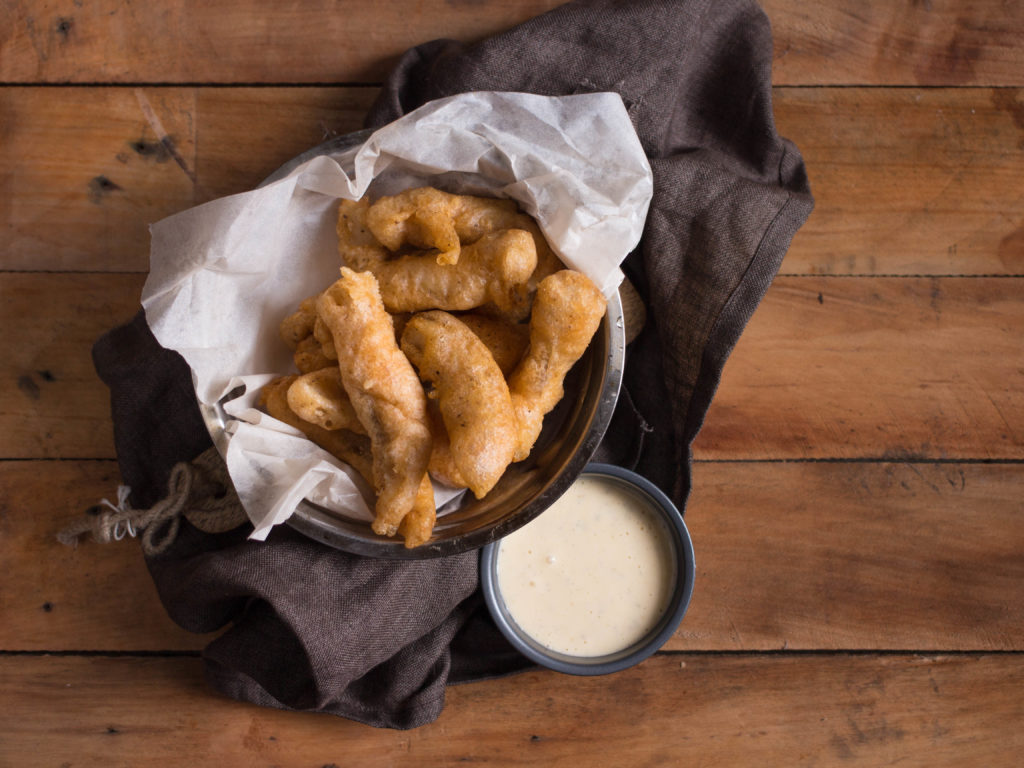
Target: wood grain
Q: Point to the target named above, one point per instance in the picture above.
(247, 133)
(85, 171)
(930, 43)
(841, 42)
(857, 556)
(886, 368)
(801, 710)
(906, 182)
(91, 597)
(52, 403)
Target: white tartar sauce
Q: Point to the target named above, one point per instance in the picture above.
(593, 574)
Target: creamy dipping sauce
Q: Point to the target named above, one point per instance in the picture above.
(593, 574)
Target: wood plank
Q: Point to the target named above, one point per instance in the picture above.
(85, 171)
(235, 42)
(841, 556)
(776, 710)
(881, 368)
(247, 133)
(52, 403)
(876, 368)
(856, 556)
(930, 43)
(87, 598)
(906, 181)
(843, 42)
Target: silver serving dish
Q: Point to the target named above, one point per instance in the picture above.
(570, 436)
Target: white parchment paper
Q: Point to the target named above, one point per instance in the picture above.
(223, 275)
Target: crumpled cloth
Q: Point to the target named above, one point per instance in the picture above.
(311, 628)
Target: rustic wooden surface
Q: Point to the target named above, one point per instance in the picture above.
(858, 501)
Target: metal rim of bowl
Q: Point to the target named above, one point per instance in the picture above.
(643, 648)
(320, 525)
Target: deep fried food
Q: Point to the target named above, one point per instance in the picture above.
(431, 252)
(489, 270)
(442, 464)
(567, 310)
(354, 450)
(429, 218)
(323, 335)
(309, 355)
(351, 448)
(471, 392)
(421, 217)
(385, 392)
(356, 244)
(506, 341)
(319, 398)
(417, 526)
(298, 325)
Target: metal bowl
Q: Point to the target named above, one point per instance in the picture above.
(570, 436)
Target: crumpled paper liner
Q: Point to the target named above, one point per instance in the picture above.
(223, 275)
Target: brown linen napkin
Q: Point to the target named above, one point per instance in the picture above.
(375, 641)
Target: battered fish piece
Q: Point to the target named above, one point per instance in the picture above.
(489, 270)
(326, 339)
(298, 325)
(429, 218)
(442, 464)
(351, 448)
(385, 393)
(354, 450)
(417, 527)
(319, 398)
(309, 355)
(471, 392)
(567, 311)
(356, 244)
(547, 264)
(506, 341)
(422, 217)
(478, 216)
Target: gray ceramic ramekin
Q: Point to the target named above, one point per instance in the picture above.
(679, 601)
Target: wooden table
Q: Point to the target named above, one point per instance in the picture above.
(858, 503)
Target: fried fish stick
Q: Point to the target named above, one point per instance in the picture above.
(354, 450)
(385, 393)
(476, 219)
(489, 270)
(309, 355)
(418, 525)
(471, 392)
(298, 325)
(356, 244)
(323, 335)
(566, 313)
(319, 398)
(442, 464)
(429, 218)
(506, 341)
(351, 448)
(420, 217)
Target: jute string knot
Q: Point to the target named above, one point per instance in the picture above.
(200, 491)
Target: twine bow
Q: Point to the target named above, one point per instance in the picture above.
(200, 491)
